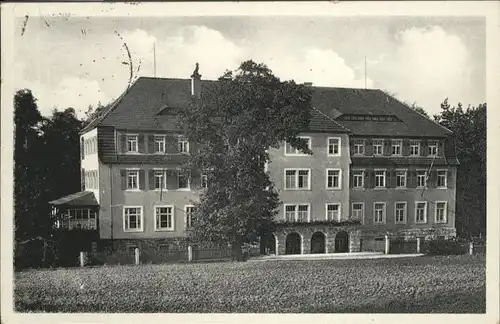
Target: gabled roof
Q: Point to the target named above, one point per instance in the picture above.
(82, 198)
(146, 106)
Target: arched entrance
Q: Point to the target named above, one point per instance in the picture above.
(342, 242)
(293, 243)
(268, 244)
(318, 243)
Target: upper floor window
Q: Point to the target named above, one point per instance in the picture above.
(333, 146)
(159, 141)
(183, 145)
(378, 147)
(414, 148)
(379, 213)
(380, 178)
(183, 180)
(359, 147)
(160, 180)
(333, 179)
(289, 150)
(357, 178)
(132, 143)
(401, 178)
(396, 147)
(294, 213)
(421, 179)
(433, 148)
(133, 179)
(333, 212)
(297, 178)
(441, 179)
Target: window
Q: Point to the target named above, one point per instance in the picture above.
(414, 148)
(421, 179)
(379, 213)
(159, 179)
(204, 181)
(289, 150)
(441, 179)
(294, 213)
(420, 212)
(441, 212)
(400, 212)
(183, 145)
(164, 218)
(401, 179)
(183, 181)
(132, 179)
(297, 178)
(358, 179)
(378, 147)
(396, 147)
(333, 212)
(333, 179)
(159, 143)
(359, 147)
(132, 219)
(358, 211)
(189, 215)
(379, 178)
(333, 146)
(80, 219)
(132, 143)
(433, 148)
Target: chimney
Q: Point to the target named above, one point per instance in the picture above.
(308, 84)
(196, 82)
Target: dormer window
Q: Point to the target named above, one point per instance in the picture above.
(378, 147)
(359, 147)
(414, 148)
(433, 148)
(396, 147)
(132, 143)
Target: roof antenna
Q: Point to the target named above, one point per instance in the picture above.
(154, 59)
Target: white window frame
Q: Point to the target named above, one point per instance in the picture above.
(384, 212)
(339, 146)
(425, 178)
(425, 212)
(297, 151)
(362, 179)
(296, 216)
(141, 228)
(358, 143)
(182, 141)
(362, 216)
(384, 177)
(339, 216)
(397, 143)
(188, 220)
(164, 178)
(188, 180)
(377, 142)
(445, 171)
(127, 173)
(128, 139)
(159, 139)
(405, 177)
(164, 229)
(339, 179)
(309, 178)
(415, 144)
(435, 145)
(445, 216)
(405, 212)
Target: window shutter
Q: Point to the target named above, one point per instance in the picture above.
(151, 179)
(141, 145)
(431, 181)
(172, 180)
(449, 181)
(123, 174)
(406, 147)
(412, 180)
(387, 147)
(372, 178)
(82, 152)
(123, 143)
(440, 148)
(424, 149)
(366, 180)
(151, 143)
(368, 147)
(351, 175)
(351, 146)
(82, 178)
(171, 144)
(393, 183)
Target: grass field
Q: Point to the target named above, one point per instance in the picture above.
(454, 284)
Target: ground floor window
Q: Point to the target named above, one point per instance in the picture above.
(132, 218)
(164, 217)
(189, 216)
(440, 212)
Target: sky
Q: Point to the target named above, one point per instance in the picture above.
(80, 61)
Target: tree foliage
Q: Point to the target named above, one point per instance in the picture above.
(420, 110)
(469, 127)
(232, 125)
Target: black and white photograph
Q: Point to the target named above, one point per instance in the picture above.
(301, 159)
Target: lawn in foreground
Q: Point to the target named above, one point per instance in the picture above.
(455, 284)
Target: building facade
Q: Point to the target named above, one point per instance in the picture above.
(377, 168)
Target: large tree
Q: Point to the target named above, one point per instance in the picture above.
(469, 127)
(233, 125)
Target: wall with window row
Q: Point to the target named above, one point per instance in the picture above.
(151, 143)
(396, 147)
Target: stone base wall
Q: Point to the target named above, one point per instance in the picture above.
(412, 233)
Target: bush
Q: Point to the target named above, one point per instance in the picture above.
(446, 247)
